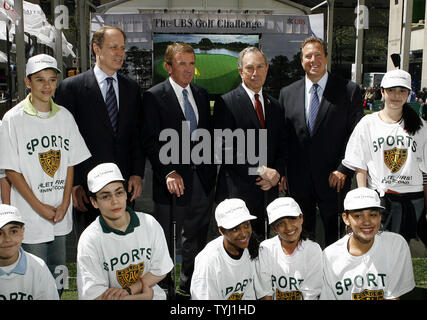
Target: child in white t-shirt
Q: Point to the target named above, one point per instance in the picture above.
(225, 268)
(290, 265)
(39, 146)
(122, 254)
(23, 276)
(366, 264)
(388, 151)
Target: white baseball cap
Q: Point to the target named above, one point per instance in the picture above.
(283, 207)
(40, 62)
(232, 212)
(362, 198)
(396, 78)
(9, 214)
(102, 175)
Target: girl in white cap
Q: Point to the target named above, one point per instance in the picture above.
(290, 264)
(225, 268)
(388, 151)
(40, 145)
(123, 254)
(366, 264)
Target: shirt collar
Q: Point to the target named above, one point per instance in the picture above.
(133, 223)
(21, 267)
(101, 75)
(29, 108)
(177, 88)
(322, 82)
(250, 92)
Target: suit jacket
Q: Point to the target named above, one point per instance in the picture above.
(161, 110)
(312, 157)
(235, 110)
(82, 96)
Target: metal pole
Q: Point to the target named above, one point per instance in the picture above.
(330, 31)
(359, 42)
(20, 48)
(83, 36)
(58, 39)
(406, 34)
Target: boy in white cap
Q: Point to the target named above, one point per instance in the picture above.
(366, 264)
(225, 268)
(23, 276)
(290, 264)
(122, 254)
(388, 151)
(40, 145)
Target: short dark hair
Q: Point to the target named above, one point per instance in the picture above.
(315, 39)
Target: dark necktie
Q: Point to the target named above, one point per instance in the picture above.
(111, 102)
(314, 107)
(260, 113)
(189, 112)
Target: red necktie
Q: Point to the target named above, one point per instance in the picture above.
(258, 108)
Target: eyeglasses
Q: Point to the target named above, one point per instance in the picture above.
(109, 196)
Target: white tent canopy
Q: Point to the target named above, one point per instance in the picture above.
(35, 23)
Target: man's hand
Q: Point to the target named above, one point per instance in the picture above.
(264, 184)
(337, 180)
(175, 184)
(269, 174)
(80, 198)
(135, 187)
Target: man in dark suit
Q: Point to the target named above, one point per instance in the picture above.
(107, 109)
(180, 106)
(248, 108)
(321, 111)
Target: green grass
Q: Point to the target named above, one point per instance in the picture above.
(217, 73)
(419, 264)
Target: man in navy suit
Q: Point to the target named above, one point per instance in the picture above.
(321, 111)
(178, 105)
(247, 108)
(108, 139)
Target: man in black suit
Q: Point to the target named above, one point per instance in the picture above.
(249, 108)
(110, 137)
(180, 106)
(318, 125)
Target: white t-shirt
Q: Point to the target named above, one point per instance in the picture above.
(384, 272)
(217, 276)
(41, 150)
(106, 259)
(393, 158)
(290, 277)
(30, 279)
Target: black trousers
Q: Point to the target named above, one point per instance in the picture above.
(192, 222)
(330, 211)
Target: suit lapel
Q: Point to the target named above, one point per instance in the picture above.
(324, 105)
(199, 105)
(96, 101)
(300, 105)
(171, 100)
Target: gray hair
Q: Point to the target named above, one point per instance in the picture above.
(249, 50)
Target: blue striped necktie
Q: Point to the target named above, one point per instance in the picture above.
(189, 112)
(111, 102)
(314, 107)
